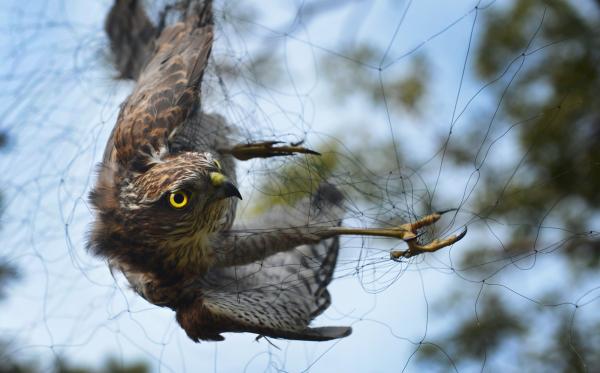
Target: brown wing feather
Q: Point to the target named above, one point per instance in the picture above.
(167, 90)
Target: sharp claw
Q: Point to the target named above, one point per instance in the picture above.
(435, 245)
(407, 239)
(442, 212)
(267, 149)
(461, 234)
(309, 151)
(395, 258)
(398, 255)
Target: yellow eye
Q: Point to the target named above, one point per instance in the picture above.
(179, 199)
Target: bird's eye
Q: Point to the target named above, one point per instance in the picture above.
(179, 199)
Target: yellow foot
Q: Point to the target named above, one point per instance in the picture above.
(411, 238)
(406, 232)
(267, 149)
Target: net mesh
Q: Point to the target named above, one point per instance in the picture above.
(415, 106)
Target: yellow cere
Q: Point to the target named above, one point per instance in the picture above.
(217, 178)
(179, 199)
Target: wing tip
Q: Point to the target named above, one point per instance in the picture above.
(320, 334)
(200, 14)
(333, 332)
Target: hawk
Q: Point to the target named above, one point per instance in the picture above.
(165, 199)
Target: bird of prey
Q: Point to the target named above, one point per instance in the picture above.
(165, 199)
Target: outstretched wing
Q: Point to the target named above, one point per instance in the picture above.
(167, 91)
(276, 297)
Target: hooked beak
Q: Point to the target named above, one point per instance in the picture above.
(230, 190)
(225, 187)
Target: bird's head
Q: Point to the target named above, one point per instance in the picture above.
(167, 211)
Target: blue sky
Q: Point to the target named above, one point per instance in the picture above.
(60, 103)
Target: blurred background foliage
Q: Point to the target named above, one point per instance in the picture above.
(541, 60)
(551, 102)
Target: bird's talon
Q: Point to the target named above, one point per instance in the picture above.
(409, 235)
(442, 212)
(267, 149)
(298, 143)
(395, 258)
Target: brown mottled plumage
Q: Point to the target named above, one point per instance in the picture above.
(186, 259)
(164, 207)
(138, 167)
